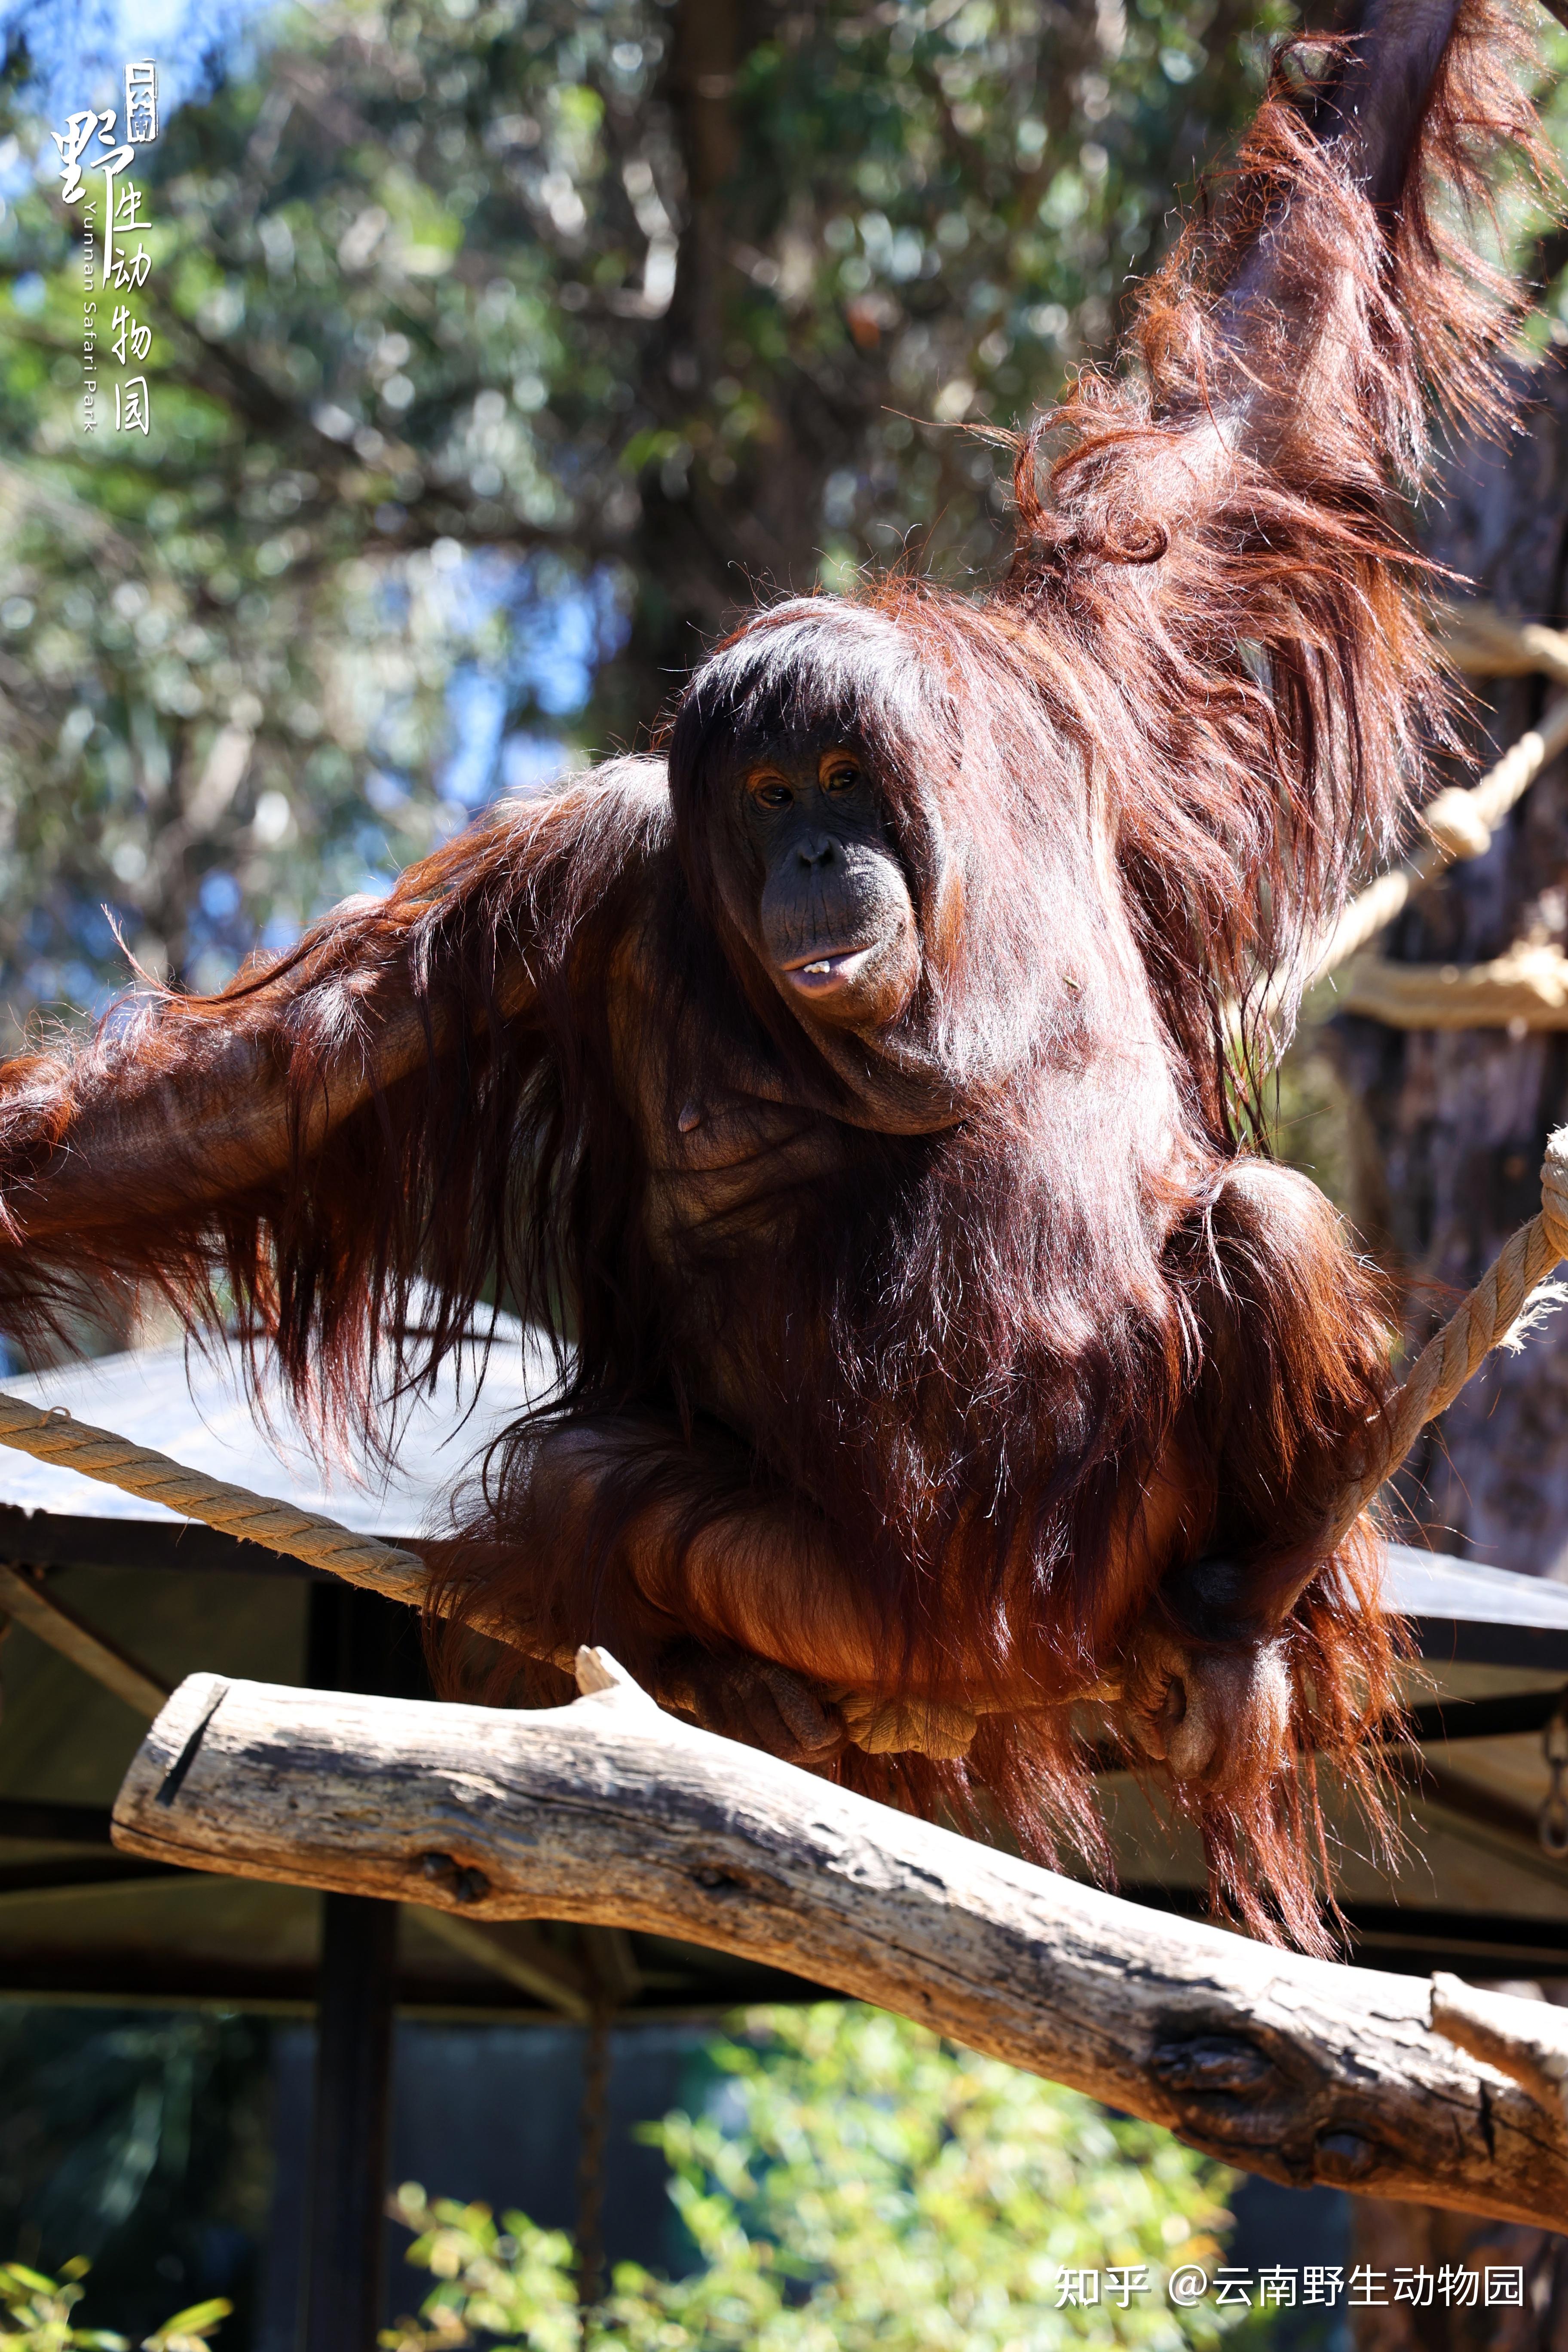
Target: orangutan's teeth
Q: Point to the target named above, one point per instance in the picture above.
(826, 965)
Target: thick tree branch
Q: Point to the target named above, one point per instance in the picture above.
(611, 1811)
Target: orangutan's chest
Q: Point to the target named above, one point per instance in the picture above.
(724, 1166)
(732, 1187)
(726, 1172)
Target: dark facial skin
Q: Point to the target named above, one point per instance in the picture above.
(837, 925)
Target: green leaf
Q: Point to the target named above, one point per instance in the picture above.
(34, 2280)
(190, 2327)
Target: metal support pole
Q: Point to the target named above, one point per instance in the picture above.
(343, 2227)
(358, 1642)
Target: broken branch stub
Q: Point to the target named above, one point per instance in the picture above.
(610, 1811)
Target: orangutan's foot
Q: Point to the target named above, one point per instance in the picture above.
(753, 1700)
(1211, 1716)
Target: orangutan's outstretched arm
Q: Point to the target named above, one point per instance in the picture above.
(1228, 525)
(1386, 113)
(287, 1135)
(178, 1103)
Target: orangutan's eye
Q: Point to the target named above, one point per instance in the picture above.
(771, 791)
(841, 777)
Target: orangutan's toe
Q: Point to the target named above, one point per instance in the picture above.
(810, 1730)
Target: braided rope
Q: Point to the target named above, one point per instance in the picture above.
(1481, 1321)
(54, 1436)
(1524, 989)
(1460, 824)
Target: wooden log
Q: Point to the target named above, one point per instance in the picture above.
(611, 1811)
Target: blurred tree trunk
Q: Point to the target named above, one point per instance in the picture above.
(1448, 1128)
(1446, 1135)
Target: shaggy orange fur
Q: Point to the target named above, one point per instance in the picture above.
(967, 1362)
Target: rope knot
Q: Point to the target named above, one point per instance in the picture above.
(1456, 824)
(1554, 1192)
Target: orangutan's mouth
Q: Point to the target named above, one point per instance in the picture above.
(824, 975)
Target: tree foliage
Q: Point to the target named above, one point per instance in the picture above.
(38, 2315)
(857, 2183)
(503, 349)
(137, 2143)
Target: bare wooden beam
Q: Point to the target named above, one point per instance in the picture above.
(517, 1954)
(613, 1813)
(50, 1620)
(617, 1978)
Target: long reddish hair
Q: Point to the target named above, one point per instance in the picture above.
(1125, 788)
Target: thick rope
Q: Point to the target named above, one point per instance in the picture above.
(1458, 1349)
(1484, 643)
(1523, 992)
(1527, 988)
(54, 1436)
(1460, 824)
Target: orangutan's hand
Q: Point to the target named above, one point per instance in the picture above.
(901, 1727)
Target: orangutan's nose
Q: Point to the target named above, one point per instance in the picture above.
(818, 849)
